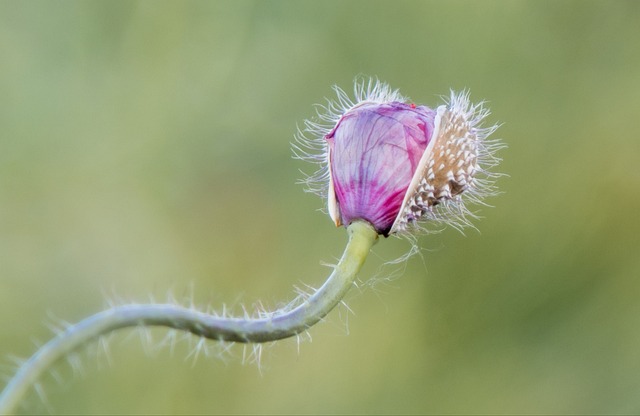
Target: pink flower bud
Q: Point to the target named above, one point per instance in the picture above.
(395, 164)
(374, 151)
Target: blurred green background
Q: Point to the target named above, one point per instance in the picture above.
(145, 149)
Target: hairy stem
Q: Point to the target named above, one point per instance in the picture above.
(278, 325)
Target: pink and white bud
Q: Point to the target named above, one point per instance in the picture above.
(374, 152)
(391, 163)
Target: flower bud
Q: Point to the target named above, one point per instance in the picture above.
(395, 164)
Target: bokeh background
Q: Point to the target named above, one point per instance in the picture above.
(145, 149)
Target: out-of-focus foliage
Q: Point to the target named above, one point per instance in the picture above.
(144, 149)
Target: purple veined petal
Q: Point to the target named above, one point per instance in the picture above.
(374, 151)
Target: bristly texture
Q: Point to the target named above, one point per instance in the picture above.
(397, 165)
(456, 167)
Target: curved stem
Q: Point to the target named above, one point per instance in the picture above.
(279, 324)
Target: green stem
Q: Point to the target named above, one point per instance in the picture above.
(279, 324)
